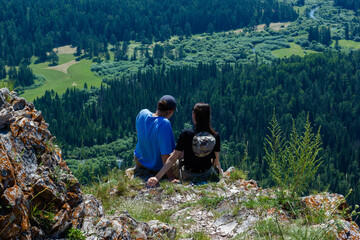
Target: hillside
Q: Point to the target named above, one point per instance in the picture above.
(42, 199)
(249, 59)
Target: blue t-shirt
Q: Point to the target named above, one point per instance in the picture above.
(154, 138)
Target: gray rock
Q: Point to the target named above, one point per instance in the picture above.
(5, 119)
(4, 92)
(19, 104)
(223, 220)
(245, 225)
(2, 100)
(228, 228)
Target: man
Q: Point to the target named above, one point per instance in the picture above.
(155, 138)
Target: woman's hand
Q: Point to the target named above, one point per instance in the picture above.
(152, 182)
(175, 180)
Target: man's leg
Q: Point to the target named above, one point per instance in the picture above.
(138, 164)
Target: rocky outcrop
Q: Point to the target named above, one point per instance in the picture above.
(240, 209)
(40, 198)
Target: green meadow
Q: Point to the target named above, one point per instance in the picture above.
(348, 44)
(294, 49)
(77, 75)
(301, 10)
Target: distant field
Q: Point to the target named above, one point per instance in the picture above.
(294, 49)
(300, 9)
(275, 26)
(348, 44)
(77, 75)
(132, 46)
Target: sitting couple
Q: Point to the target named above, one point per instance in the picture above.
(196, 154)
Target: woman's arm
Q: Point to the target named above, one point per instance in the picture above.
(217, 162)
(169, 162)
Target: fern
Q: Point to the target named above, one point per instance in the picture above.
(292, 163)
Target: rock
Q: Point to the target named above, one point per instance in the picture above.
(350, 230)
(40, 198)
(5, 119)
(228, 228)
(246, 224)
(228, 172)
(18, 104)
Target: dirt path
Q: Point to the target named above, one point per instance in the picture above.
(275, 26)
(63, 67)
(65, 50)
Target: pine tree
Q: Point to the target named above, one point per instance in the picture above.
(2, 69)
(347, 31)
(53, 57)
(210, 29)
(187, 30)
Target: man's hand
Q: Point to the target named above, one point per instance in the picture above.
(152, 182)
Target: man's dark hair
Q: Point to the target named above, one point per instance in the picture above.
(163, 106)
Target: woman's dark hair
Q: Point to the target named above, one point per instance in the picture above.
(202, 113)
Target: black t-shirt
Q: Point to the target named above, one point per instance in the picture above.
(191, 161)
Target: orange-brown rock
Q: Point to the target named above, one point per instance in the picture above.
(39, 197)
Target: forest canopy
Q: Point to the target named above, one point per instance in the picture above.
(242, 97)
(34, 27)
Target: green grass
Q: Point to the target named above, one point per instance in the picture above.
(294, 49)
(64, 58)
(132, 46)
(78, 73)
(348, 44)
(301, 9)
(273, 229)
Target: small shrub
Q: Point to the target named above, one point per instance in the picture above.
(267, 228)
(292, 163)
(44, 217)
(237, 174)
(200, 236)
(272, 229)
(210, 203)
(168, 187)
(75, 234)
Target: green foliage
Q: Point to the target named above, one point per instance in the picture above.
(75, 234)
(102, 24)
(168, 187)
(293, 163)
(7, 84)
(263, 203)
(200, 236)
(272, 229)
(43, 216)
(89, 163)
(267, 228)
(238, 174)
(210, 202)
(114, 180)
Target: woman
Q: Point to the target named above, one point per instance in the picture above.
(201, 149)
